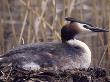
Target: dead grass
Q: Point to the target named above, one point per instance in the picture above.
(14, 74)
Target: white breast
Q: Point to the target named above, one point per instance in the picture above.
(86, 55)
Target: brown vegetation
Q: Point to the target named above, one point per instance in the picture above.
(13, 74)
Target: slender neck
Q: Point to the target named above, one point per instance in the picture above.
(81, 45)
(66, 38)
(67, 34)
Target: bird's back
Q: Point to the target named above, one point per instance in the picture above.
(54, 55)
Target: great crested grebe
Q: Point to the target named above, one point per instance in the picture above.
(66, 54)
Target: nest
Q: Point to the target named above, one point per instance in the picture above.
(14, 74)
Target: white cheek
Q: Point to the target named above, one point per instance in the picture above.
(82, 28)
(1, 59)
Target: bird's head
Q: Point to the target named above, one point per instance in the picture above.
(69, 31)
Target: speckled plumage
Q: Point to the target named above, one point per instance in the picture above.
(57, 55)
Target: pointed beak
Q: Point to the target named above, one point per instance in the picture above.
(95, 29)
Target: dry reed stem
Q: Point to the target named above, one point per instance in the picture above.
(37, 14)
(95, 11)
(23, 26)
(2, 50)
(109, 33)
(102, 57)
(13, 28)
(29, 29)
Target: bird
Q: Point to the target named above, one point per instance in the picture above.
(68, 53)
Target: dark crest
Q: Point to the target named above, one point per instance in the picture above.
(76, 20)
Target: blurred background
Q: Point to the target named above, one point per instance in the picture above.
(31, 21)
